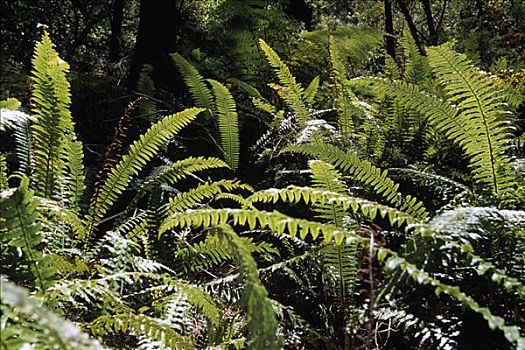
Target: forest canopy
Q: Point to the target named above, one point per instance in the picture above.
(262, 174)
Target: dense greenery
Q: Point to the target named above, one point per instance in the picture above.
(287, 182)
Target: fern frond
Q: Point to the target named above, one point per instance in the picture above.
(311, 91)
(482, 112)
(228, 122)
(370, 209)
(364, 172)
(53, 128)
(193, 197)
(416, 67)
(200, 93)
(140, 324)
(262, 324)
(396, 262)
(275, 221)
(64, 215)
(146, 87)
(141, 151)
(20, 227)
(289, 90)
(213, 251)
(26, 323)
(11, 104)
(76, 177)
(4, 185)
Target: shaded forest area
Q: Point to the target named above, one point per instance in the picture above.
(262, 174)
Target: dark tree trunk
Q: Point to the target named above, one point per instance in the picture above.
(389, 29)
(116, 30)
(411, 26)
(432, 34)
(299, 10)
(159, 24)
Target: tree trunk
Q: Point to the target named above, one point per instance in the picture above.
(432, 34)
(299, 10)
(116, 30)
(389, 30)
(411, 26)
(159, 24)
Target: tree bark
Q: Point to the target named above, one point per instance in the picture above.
(116, 30)
(432, 33)
(411, 26)
(159, 24)
(389, 29)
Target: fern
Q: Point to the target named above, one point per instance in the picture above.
(141, 151)
(416, 67)
(311, 91)
(481, 114)
(228, 123)
(53, 128)
(25, 323)
(364, 172)
(75, 169)
(11, 104)
(289, 90)
(4, 185)
(146, 88)
(200, 92)
(140, 324)
(191, 198)
(262, 324)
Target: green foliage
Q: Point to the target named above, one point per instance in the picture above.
(228, 123)
(199, 91)
(141, 151)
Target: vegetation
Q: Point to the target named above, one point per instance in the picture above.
(278, 180)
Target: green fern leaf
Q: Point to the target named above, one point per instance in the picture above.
(311, 91)
(482, 111)
(141, 151)
(228, 123)
(201, 94)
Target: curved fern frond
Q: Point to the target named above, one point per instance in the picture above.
(364, 172)
(275, 221)
(482, 111)
(395, 262)
(370, 209)
(4, 185)
(416, 67)
(200, 93)
(141, 151)
(228, 122)
(54, 210)
(53, 128)
(11, 104)
(140, 324)
(289, 90)
(193, 197)
(146, 87)
(179, 170)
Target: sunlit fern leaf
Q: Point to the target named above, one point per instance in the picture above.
(20, 227)
(140, 324)
(289, 90)
(482, 115)
(25, 322)
(140, 152)
(53, 128)
(200, 93)
(312, 196)
(191, 198)
(262, 323)
(228, 122)
(364, 172)
(311, 91)
(11, 104)
(62, 215)
(146, 87)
